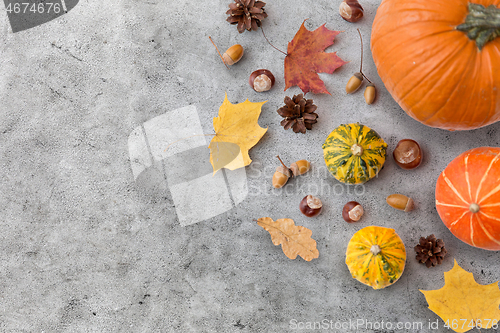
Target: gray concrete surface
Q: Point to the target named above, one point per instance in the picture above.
(88, 246)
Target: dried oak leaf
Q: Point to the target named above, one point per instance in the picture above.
(306, 58)
(464, 302)
(236, 131)
(294, 240)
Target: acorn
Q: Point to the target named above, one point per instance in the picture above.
(281, 176)
(300, 167)
(400, 202)
(354, 83)
(357, 79)
(233, 54)
(370, 93)
(283, 173)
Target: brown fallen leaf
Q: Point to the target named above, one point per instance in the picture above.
(294, 240)
(464, 304)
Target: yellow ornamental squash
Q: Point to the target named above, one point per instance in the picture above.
(376, 256)
(354, 153)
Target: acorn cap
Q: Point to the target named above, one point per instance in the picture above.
(284, 171)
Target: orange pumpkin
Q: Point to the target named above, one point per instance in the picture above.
(441, 68)
(468, 197)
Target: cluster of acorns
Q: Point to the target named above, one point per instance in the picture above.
(283, 173)
(352, 11)
(356, 80)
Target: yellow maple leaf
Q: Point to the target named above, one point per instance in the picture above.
(236, 131)
(294, 240)
(464, 304)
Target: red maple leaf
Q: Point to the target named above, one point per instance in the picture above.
(306, 58)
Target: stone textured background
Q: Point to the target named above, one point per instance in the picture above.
(86, 249)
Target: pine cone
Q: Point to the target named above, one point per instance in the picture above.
(430, 251)
(247, 14)
(298, 113)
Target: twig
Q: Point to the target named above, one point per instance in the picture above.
(218, 52)
(270, 42)
(278, 156)
(361, 65)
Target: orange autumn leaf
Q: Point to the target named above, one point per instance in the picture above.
(462, 303)
(236, 131)
(306, 58)
(294, 240)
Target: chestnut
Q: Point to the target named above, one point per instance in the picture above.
(351, 10)
(261, 80)
(352, 212)
(310, 206)
(407, 154)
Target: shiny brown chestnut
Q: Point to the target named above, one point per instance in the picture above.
(261, 80)
(310, 206)
(352, 212)
(351, 10)
(407, 154)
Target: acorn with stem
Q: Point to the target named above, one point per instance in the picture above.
(283, 172)
(357, 79)
(232, 55)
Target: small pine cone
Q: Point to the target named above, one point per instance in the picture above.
(430, 251)
(247, 14)
(298, 113)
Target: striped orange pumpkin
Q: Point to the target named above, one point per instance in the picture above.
(468, 197)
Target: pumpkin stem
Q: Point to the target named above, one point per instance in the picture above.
(375, 249)
(482, 24)
(356, 150)
(474, 207)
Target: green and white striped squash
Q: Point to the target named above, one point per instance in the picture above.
(354, 153)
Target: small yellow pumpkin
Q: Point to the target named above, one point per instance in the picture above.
(376, 256)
